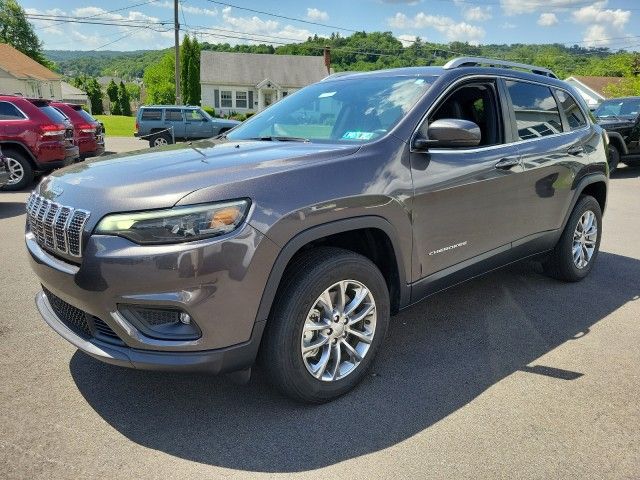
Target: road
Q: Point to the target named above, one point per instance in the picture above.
(512, 375)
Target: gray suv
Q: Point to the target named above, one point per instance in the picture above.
(162, 125)
(293, 241)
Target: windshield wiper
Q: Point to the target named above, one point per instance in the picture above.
(280, 139)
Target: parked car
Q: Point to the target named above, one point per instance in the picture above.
(88, 134)
(4, 170)
(296, 242)
(163, 124)
(620, 117)
(35, 138)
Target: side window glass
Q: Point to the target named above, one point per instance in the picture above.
(193, 116)
(478, 104)
(173, 115)
(151, 114)
(9, 112)
(572, 111)
(536, 110)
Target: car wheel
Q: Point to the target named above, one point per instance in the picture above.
(160, 140)
(20, 171)
(573, 257)
(329, 318)
(614, 158)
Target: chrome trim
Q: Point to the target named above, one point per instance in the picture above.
(44, 257)
(492, 62)
(489, 147)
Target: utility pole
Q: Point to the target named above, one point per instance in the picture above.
(176, 30)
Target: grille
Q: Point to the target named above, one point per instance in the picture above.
(81, 323)
(56, 227)
(158, 317)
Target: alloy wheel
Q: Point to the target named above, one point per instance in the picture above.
(160, 142)
(16, 171)
(338, 330)
(585, 237)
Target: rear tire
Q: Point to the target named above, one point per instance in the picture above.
(20, 171)
(160, 140)
(575, 253)
(614, 158)
(300, 319)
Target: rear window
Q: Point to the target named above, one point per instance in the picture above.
(173, 115)
(9, 111)
(53, 113)
(85, 115)
(151, 114)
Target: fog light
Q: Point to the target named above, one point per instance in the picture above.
(185, 318)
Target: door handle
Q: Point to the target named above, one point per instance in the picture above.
(577, 150)
(507, 163)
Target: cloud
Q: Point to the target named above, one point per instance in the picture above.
(602, 24)
(517, 7)
(402, 2)
(453, 30)
(477, 14)
(209, 12)
(508, 26)
(317, 15)
(547, 19)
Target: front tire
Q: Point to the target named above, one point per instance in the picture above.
(20, 171)
(329, 318)
(575, 253)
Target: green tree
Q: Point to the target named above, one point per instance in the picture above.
(133, 89)
(185, 59)
(194, 74)
(124, 101)
(159, 80)
(18, 32)
(112, 91)
(92, 88)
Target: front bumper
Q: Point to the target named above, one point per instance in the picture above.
(215, 282)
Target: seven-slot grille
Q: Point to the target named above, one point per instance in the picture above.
(56, 227)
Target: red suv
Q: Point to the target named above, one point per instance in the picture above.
(34, 137)
(87, 130)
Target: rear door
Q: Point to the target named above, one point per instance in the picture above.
(174, 121)
(553, 136)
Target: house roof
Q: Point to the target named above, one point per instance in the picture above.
(20, 66)
(596, 84)
(69, 91)
(249, 69)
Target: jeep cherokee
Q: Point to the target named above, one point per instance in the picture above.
(293, 242)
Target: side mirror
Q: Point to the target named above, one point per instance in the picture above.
(449, 132)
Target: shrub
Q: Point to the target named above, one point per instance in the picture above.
(210, 110)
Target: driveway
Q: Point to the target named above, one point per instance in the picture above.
(512, 375)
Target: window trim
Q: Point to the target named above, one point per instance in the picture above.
(500, 79)
(230, 92)
(246, 98)
(24, 115)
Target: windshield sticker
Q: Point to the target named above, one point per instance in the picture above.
(358, 135)
(326, 94)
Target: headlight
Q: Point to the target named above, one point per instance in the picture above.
(174, 225)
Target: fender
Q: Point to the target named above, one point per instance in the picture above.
(618, 142)
(578, 187)
(323, 230)
(21, 145)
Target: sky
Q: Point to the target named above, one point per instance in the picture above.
(605, 23)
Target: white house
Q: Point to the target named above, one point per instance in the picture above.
(22, 75)
(592, 89)
(250, 82)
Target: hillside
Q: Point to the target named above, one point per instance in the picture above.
(369, 51)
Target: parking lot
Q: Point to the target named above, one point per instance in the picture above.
(512, 375)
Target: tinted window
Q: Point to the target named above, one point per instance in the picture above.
(173, 115)
(537, 113)
(53, 113)
(572, 111)
(151, 114)
(85, 115)
(9, 112)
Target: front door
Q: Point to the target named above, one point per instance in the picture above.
(467, 200)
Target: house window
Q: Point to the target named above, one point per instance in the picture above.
(241, 99)
(284, 93)
(226, 99)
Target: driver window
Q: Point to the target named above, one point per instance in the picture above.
(477, 103)
(194, 116)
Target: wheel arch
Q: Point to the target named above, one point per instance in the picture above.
(371, 236)
(616, 140)
(596, 185)
(20, 148)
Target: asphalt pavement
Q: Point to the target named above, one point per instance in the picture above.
(512, 375)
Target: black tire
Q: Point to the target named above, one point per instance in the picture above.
(560, 263)
(20, 161)
(614, 158)
(160, 140)
(304, 281)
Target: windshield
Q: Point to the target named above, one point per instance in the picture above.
(346, 111)
(618, 108)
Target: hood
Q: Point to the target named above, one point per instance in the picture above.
(159, 178)
(613, 122)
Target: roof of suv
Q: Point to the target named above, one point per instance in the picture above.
(192, 107)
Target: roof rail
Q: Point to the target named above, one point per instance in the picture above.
(491, 62)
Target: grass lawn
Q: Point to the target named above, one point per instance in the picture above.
(117, 125)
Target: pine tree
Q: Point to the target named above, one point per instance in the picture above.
(194, 73)
(185, 57)
(124, 102)
(112, 94)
